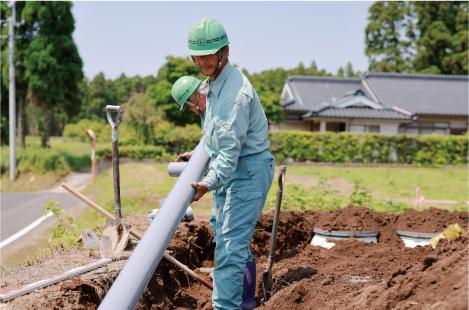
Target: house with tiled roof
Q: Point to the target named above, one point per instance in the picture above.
(389, 103)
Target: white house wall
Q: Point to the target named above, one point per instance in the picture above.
(389, 129)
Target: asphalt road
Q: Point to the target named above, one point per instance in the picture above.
(19, 210)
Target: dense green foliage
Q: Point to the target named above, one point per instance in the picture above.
(341, 147)
(53, 65)
(418, 36)
(152, 117)
(442, 38)
(28, 32)
(151, 96)
(369, 148)
(386, 49)
(134, 151)
(60, 159)
(37, 160)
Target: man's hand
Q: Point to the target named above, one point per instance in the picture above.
(186, 155)
(201, 190)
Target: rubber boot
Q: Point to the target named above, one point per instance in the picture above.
(249, 287)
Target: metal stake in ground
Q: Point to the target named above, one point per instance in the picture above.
(267, 275)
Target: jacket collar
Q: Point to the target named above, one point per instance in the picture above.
(217, 85)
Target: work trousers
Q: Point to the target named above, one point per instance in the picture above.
(236, 208)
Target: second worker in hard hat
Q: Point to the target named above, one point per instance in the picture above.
(242, 170)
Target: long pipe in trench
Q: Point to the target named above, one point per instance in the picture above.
(134, 277)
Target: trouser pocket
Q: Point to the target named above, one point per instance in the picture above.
(241, 210)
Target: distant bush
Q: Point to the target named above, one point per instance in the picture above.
(369, 148)
(185, 138)
(134, 152)
(78, 130)
(37, 160)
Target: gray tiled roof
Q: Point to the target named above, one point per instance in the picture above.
(359, 112)
(433, 94)
(312, 93)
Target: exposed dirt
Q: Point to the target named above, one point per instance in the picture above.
(380, 277)
(351, 275)
(431, 220)
(361, 219)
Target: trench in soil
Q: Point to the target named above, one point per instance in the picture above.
(304, 276)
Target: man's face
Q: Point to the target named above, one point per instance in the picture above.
(208, 63)
(201, 103)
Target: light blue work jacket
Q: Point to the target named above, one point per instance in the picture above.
(234, 124)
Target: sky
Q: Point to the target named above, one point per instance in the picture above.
(135, 37)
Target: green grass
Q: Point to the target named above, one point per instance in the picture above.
(380, 189)
(61, 158)
(142, 186)
(435, 183)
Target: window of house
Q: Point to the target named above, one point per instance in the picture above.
(364, 128)
(425, 128)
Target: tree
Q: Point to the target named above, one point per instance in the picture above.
(441, 36)
(385, 47)
(349, 71)
(53, 65)
(141, 114)
(421, 36)
(21, 83)
(340, 73)
(171, 71)
(313, 70)
(95, 106)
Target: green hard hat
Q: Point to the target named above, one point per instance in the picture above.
(184, 88)
(206, 37)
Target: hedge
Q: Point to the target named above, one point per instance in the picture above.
(332, 147)
(369, 148)
(134, 151)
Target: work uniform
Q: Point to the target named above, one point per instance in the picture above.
(241, 174)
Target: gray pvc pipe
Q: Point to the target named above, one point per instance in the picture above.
(175, 169)
(131, 282)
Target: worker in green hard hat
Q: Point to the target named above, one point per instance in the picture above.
(191, 91)
(235, 135)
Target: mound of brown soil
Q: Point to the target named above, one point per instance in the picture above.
(295, 229)
(431, 220)
(349, 266)
(373, 276)
(353, 274)
(354, 218)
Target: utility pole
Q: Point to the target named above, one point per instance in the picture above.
(12, 91)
